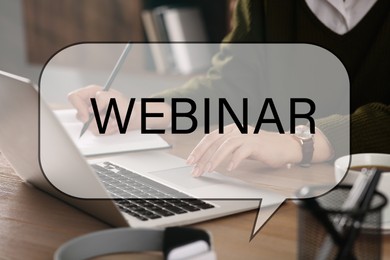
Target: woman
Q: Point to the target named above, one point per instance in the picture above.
(356, 31)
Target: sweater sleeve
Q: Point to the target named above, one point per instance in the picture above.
(234, 76)
(231, 75)
(366, 130)
(369, 130)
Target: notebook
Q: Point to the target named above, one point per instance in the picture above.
(90, 144)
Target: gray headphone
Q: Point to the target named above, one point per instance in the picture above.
(175, 243)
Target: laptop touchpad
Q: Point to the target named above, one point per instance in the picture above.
(181, 177)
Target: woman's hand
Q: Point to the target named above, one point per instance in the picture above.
(80, 99)
(271, 148)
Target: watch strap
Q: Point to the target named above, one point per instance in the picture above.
(307, 152)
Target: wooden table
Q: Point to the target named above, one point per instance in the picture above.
(33, 225)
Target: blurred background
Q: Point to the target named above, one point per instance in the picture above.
(33, 30)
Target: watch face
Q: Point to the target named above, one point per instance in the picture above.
(303, 132)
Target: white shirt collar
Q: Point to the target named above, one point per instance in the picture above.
(338, 15)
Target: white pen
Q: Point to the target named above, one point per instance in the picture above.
(110, 79)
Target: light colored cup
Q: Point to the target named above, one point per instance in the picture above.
(348, 177)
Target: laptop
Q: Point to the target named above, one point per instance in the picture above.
(115, 176)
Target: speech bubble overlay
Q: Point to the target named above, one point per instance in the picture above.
(253, 93)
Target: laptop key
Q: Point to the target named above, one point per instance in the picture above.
(199, 203)
(134, 214)
(160, 211)
(175, 209)
(144, 203)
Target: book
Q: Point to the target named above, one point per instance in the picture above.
(160, 51)
(90, 144)
(172, 32)
(185, 26)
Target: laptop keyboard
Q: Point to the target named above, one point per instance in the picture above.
(143, 195)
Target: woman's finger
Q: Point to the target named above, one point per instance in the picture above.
(241, 153)
(205, 144)
(80, 99)
(203, 164)
(202, 147)
(225, 149)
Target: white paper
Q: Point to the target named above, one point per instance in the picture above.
(90, 144)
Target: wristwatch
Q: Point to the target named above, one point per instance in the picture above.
(305, 138)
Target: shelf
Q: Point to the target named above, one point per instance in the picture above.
(52, 25)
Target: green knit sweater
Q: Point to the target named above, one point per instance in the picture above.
(364, 51)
